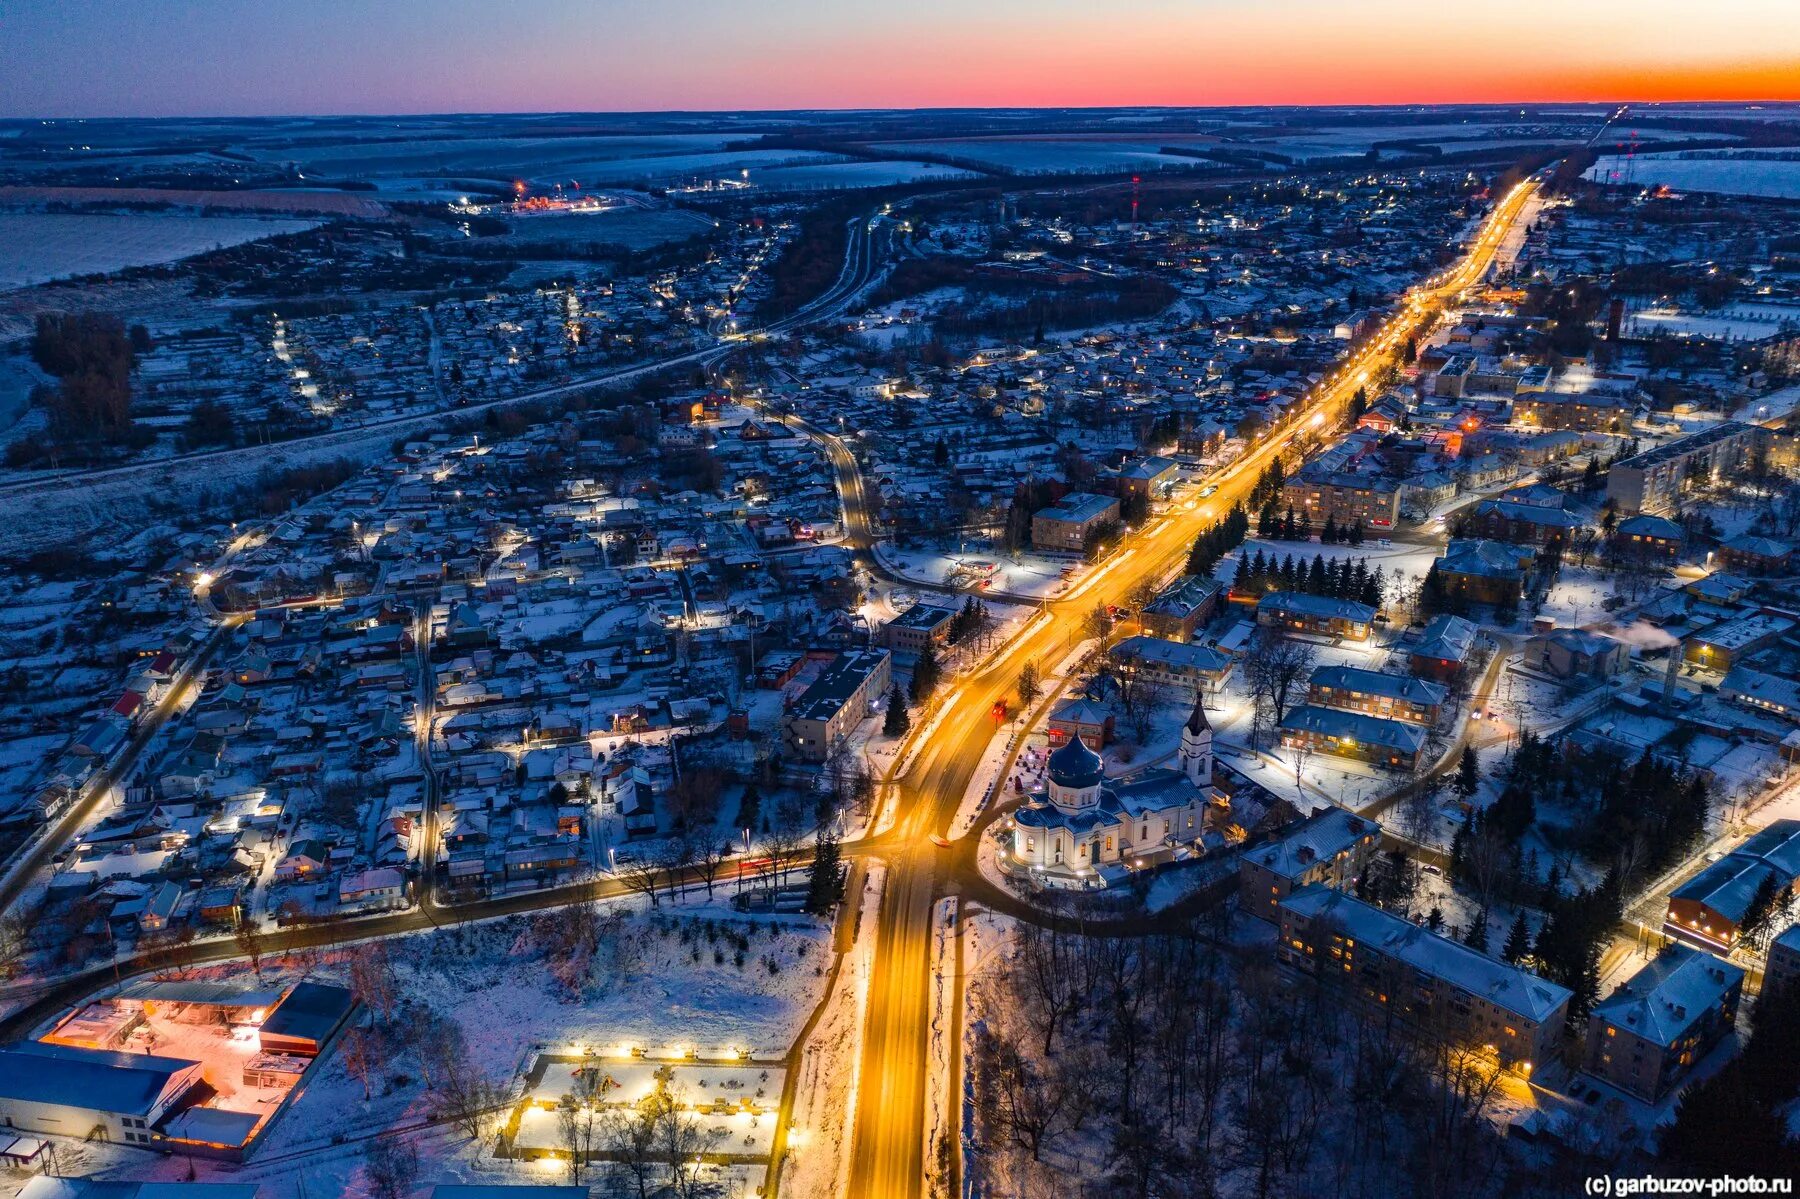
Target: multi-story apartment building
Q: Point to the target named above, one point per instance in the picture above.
(1345, 498)
(1194, 668)
(1428, 980)
(1065, 525)
(1331, 847)
(1391, 696)
(843, 694)
(1652, 481)
(1396, 743)
(1295, 612)
(1646, 1036)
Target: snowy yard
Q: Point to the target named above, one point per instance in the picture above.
(697, 977)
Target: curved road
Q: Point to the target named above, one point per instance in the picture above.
(888, 1154)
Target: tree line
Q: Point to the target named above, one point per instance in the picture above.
(1343, 578)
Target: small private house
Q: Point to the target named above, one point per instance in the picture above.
(1648, 1035)
(1080, 716)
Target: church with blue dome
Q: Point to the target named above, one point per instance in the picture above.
(1081, 831)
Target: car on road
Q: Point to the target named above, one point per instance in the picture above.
(941, 841)
(1209, 490)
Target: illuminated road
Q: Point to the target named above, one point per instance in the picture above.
(888, 1158)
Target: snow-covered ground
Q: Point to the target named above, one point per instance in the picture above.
(1035, 575)
(1726, 173)
(36, 247)
(695, 975)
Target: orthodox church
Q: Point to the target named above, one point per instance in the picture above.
(1082, 831)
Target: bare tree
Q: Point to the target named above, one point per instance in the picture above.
(372, 978)
(249, 943)
(1020, 1099)
(392, 1166)
(1274, 668)
(362, 1058)
(578, 1116)
(710, 855)
(642, 876)
(674, 856)
(1142, 699)
(684, 1142)
(14, 940)
(628, 1135)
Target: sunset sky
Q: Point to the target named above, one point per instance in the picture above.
(243, 57)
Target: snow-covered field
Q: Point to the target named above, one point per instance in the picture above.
(637, 228)
(513, 155)
(1031, 156)
(1729, 174)
(686, 166)
(827, 176)
(1743, 321)
(36, 247)
(1033, 575)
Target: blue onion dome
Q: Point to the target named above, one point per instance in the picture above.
(1075, 766)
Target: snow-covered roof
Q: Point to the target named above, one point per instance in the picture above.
(1469, 970)
(1668, 996)
(1320, 837)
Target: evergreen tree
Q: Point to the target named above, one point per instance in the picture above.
(825, 885)
(1477, 935)
(1552, 890)
(924, 676)
(1240, 581)
(1518, 940)
(1468, 773)
(1434, 598)
(1375, 590)
(1356, 533)
(1329, 534)
(898, 720)
(1762, 913)
(750, 808)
